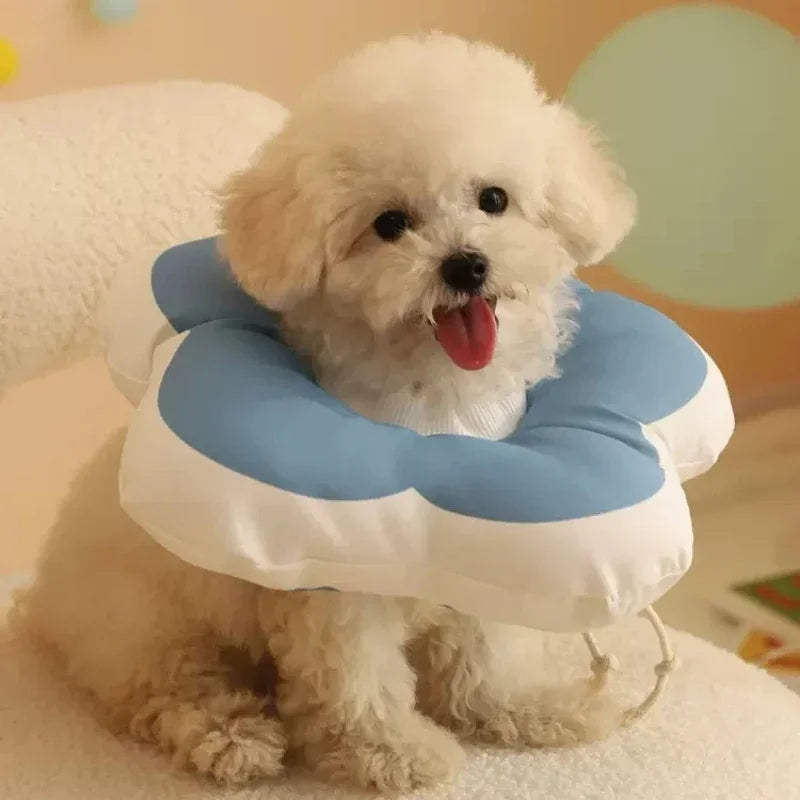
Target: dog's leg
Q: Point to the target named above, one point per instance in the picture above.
(190, 707)
(133, 625)
(346, 691)
(461, 687)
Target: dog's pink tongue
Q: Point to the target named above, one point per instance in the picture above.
(467, 334)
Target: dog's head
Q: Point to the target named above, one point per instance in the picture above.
(421, 183)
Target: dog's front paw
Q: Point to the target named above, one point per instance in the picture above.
(390, 758)
(240, 751)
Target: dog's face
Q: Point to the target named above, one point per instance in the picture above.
(424, 188)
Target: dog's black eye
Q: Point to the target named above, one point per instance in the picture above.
(493, 200)
(391, 225)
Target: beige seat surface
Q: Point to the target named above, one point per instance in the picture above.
(724, 731)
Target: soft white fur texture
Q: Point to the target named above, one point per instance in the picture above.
(98, 180)
(370, 690)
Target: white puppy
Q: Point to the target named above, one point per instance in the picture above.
(414, 221)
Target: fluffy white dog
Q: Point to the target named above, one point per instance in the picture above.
(414, 221)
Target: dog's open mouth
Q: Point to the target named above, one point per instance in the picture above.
(468, 334)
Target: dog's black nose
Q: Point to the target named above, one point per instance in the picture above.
(465, 271)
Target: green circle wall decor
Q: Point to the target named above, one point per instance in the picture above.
(700, 103)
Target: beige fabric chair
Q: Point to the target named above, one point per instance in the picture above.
(93, 180)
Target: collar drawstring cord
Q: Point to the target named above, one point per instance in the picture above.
(602, 663)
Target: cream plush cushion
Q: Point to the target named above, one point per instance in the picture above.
(93, 180)
(723, 731)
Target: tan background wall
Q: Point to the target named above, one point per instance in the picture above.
(48, 427)
(272, 46)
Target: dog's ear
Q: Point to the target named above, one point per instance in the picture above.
(268, 232)
(588, 202)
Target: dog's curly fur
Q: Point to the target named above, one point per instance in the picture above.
(370, 690)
